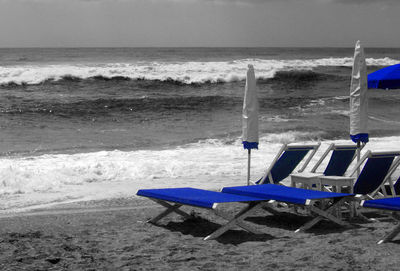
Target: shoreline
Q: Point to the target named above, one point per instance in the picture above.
(46, 181)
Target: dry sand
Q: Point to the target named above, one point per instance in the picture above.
(113, 235)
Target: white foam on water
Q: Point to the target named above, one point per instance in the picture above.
(211, 164)
(276, 118)
(184, 72)
(340, 112)
(393, 122)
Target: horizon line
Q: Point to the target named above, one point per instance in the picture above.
(184, 47)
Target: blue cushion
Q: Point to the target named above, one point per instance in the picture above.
(372, 174)
(281, 193)
(193, 196)
(392, 204)
(339, 162)
(286, 163)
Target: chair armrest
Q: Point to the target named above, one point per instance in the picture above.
(306, 175)
(337, 180)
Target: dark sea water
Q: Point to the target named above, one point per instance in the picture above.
(74, 100)
(58, 104)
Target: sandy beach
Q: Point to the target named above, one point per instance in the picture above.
(113, 235)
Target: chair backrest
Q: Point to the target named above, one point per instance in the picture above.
(379, 166)
(390, 189)
(341, 158)
(287, 159)
(396, 187)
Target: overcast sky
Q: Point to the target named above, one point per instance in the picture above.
(132, 23)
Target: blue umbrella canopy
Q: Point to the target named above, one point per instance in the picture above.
(386, 78)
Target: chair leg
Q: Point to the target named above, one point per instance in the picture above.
(324, 213)
(237, 220)
(393, 233)
(267, 207)
(170, 209)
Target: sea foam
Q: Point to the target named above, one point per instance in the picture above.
(183, 72)
(209, 164)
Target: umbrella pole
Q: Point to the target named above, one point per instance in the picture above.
(248, 166)
(358, 157)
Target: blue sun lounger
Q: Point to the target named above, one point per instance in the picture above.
(287, 160)
(341, 158)
(386, 204)
(378, 167)
(174, 198)
(296, 196)
(263, 196)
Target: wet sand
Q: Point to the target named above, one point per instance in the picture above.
(114, 235)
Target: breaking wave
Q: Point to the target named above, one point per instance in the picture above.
(209, 157)
(179, 72)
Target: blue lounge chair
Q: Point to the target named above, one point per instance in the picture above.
(377, 168)
(202, 199)
(286, 161)
(341, 158)
(174, 198)
(386, 204)
(263, 196)
(296, 196)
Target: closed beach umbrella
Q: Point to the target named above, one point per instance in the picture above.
(359, 99)
(250, 116)
(386, 78)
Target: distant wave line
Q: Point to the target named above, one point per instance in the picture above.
(182, 72)
(384, 120)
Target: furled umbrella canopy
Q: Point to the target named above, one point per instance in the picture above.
(359, 97)
(250, 112)
(250, 117)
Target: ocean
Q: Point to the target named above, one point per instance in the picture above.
(94, 123)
